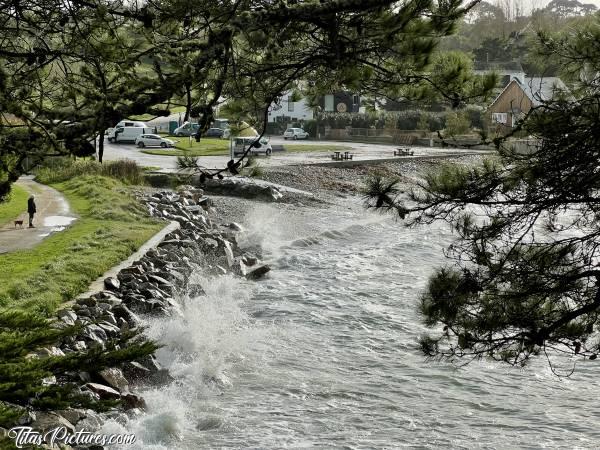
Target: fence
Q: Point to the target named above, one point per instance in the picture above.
(385, 132)
(385, 135)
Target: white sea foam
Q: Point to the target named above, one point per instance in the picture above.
(322, 354)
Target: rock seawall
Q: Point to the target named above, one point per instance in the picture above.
(149, 287)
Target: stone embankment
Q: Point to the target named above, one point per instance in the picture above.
(149, 287)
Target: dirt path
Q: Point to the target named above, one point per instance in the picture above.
(53, 215)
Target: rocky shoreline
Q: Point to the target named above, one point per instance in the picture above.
(149, 287)
(329, 182)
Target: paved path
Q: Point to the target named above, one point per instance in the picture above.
(52, 216)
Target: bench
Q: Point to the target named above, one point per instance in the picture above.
(403, 151)
(339, 156)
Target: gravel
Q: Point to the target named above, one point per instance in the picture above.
(327, 183)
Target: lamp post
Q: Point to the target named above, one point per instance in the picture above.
(317, 115)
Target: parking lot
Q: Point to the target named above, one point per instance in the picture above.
(360, 152)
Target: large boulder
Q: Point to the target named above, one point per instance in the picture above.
(236, 187)
(112, 284)
(46, 421)
(67, 316)
(115, 379)
(257, 272)
(104, 392)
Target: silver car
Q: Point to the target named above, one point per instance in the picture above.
(153, 140)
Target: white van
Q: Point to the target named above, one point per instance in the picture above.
(122, 124)
(127, 134)
(240, 144)
(131, 123)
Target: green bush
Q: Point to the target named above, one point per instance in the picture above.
(62, 169)
(408, 120)
(458, 123)
(437, 123)
(476, 117)
(310, 126)
(125, 170)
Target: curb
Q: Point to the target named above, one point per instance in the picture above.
(98, 285)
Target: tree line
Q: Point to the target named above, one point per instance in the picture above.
(70, 70)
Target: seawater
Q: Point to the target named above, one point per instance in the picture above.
(323, 354)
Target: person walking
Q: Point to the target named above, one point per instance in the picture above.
(31, 210)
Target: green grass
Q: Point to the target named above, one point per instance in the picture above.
(16, 204)
(111, 226)
(65, 169)
(220, 147)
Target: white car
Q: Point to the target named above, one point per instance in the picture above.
(257, 146)
(295, 133)
(153, 140)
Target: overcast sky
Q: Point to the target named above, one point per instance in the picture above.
(545, 2)
(542, 3)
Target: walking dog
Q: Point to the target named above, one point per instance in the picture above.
(19, 223)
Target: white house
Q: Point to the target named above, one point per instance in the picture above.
(288, 109)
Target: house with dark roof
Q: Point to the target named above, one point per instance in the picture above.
(518, 98)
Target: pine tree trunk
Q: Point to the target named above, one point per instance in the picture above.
(101, 146)
(188, 103)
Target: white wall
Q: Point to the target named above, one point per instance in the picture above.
(300, 109)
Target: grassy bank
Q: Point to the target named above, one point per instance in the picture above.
(111, 226)
(220, 147)
(16, 205)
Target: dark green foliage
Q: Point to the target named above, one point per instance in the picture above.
(525, 278)
(408, 122)
(22, 373)
(105, 61)
(381, 193)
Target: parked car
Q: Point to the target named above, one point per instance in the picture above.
(126, 134)
(153, 140)
(240, 144)
(187, 129)
(295, 133)
(214, 132)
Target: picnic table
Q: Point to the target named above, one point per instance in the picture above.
(403, 151)
(341, 156)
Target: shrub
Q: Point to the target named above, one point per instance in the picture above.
(256, 171)
(63, 169)
(437, 123)
(310, 126)
(476, 118)
(423, 123)
(457, 123)
(408, 121)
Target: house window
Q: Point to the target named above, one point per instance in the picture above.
(500, 118)
(355, 100)
(290, 103)
(328, 102)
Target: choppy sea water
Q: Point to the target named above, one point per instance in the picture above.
(322, 354)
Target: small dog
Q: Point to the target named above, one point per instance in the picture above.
(19, 223)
